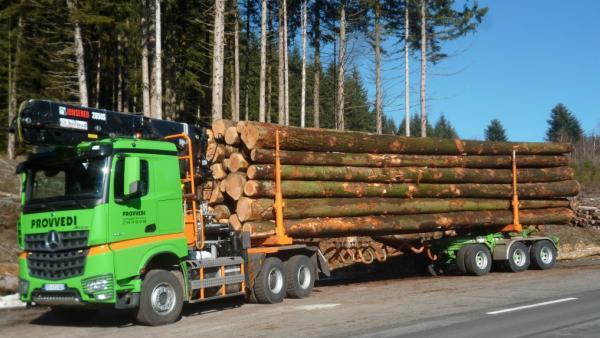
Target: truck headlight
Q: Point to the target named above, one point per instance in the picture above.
(23, 287)
(101, 287)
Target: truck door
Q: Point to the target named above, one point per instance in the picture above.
(132, 220)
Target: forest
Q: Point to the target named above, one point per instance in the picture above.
(280, 61)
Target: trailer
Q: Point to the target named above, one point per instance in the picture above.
(114, 216)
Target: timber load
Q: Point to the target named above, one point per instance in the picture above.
(338, 183)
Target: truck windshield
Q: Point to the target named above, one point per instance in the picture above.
(76, 182)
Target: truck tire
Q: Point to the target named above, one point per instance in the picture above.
(270, 283)
(478, 260)
(518, 258)
(543, 255)
(301, 275)
(161, 299)
(460, 259)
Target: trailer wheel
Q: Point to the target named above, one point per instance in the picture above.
(161, 299)
(270, 283)
(301, 275)
(518, 258)
(460, 259)
(478, 260)
(543, 255)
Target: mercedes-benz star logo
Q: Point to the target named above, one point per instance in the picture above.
(52, 240)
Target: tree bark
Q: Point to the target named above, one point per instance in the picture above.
(267, 156)
(286, 66)
(408, 174)
(319, 189)
(263, 63)
(249, 209)
(13, 76)
(401, 224)
(423, 67)
(217, 65)
(145, 64)
(247, 68)
(79, 55)
(317, 60)
(280, 71)
(303, 90)
(98, 76)
(378, 94)
(257, 135)
(406, 71)
(157, 109)
(339, 117)
(236, 64)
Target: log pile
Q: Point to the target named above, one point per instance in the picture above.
(350, 183)
(586, 217)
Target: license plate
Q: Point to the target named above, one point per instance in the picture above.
(54, 287)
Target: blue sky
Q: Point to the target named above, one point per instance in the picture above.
(526, 57)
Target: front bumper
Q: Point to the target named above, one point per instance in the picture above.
(71, 291)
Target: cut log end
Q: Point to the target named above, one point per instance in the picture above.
(234, 185)
(232, 137)
(237, 162)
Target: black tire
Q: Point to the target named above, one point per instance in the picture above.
(460, 259)
(270, 283)
(73, 314)
(478, 260)
(161, 299)
(518, 258)
(301, 275)
(543, 255)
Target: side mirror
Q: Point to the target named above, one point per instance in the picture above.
(132, 185)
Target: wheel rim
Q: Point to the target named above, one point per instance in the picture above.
(163, 298)
(275, 281)
(519, 257)
(546, 255)
(481, 260)
(304, 277)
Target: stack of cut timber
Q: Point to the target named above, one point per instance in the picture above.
(586, 216)
(338, 183)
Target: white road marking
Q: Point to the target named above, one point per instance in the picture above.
(562, 300)
(316, 306)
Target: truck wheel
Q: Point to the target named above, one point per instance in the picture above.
(161, 299)
(460, 259)
(478, 260)
(518, 258)
(270, 284)
(301, 275)
(543, 255)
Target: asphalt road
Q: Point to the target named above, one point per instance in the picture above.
(556, 303)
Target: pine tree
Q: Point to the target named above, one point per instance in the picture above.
(563, 126)
(444, 129)
(495, 131)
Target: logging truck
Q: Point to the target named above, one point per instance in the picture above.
(114, 214)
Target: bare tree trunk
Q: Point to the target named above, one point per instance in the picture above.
(423, 67)
(119, 75)
(406, 72)
(263, 62)
(285, 65)
(339, 121)
(317, 81)
(217, 67)
(79, 53)
(236, 65)
(157, 110)
(145, 66)
(378, 94)
(98, 76)
(247, 68)
(270, 58)
(280, 70)
(303, 93)
(12, 103)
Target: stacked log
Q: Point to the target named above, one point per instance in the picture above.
(586, 217)
(339, 183)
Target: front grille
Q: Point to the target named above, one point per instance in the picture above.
(66, 241)
(64, 259)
